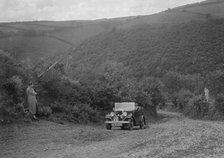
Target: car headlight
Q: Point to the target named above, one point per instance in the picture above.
(112, 114)
(125, 114)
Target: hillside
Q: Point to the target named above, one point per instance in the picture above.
(29, 49)
(164, 60)
(209, 8)
(63, 35)
(194, 47)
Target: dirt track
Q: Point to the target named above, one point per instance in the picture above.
(173, 136)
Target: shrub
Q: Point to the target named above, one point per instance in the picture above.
(153, 88)
(216, 82)
(197, 107)
(7, 107)
(182, 98)
(219, 103)
(83, 113)
(58, 107)
(213, 113)
(45, 111)
(175, 81)
(12, 87)
(10, 97)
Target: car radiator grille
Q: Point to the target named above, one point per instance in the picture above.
(116, 118)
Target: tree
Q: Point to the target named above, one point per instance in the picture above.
(154, 89)
(111, 85)
(216, 82)
(12, 86)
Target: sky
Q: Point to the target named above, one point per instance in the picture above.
(31, 10)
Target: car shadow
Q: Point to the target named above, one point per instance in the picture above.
(134, 128)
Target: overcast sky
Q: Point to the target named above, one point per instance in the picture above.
(29, 10)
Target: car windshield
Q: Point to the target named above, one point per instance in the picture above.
(127, 106)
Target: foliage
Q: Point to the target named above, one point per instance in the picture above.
(44, 111)
(219, 103)
(154, 89)
(100, 89)
(75, 112)
(108, 84)
(189, 48)
(7, 107)
(84, 113)
(58, 107)
(182, 99)
(175, 81)
(13, 77)
(140, 63)
(197, 107)
(216, 82)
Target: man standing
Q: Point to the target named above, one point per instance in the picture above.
(31, 100)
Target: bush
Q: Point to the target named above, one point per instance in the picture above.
(182, 99)
(10, 97)
(83, 113)
(152, 88)
(45, 111)
(219, 103)
(213, 113)
(12, 87)
(197, 107)
(7, 107)
(216, 82)
(175, 81)
(59, 107)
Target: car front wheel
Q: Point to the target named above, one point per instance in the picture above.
(108, 126)
(131, 124)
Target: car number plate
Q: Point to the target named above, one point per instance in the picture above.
(117, 124)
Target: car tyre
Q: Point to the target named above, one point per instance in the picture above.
(123, 126)
(131, 124)
(108, 126)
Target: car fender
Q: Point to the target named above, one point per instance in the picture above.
(108, 117)
(130, 116)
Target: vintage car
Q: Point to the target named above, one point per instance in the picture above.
(125, 115)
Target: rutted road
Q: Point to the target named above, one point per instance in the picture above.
(173, 136)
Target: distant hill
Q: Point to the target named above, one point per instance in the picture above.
(30, 49)
(39, 40)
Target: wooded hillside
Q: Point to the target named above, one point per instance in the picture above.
(194, 47)
(170, 56)
(59, 36)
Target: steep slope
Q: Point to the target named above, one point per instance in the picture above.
(46, 39)
(194, 47)
(32, 49)
(69, 34)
